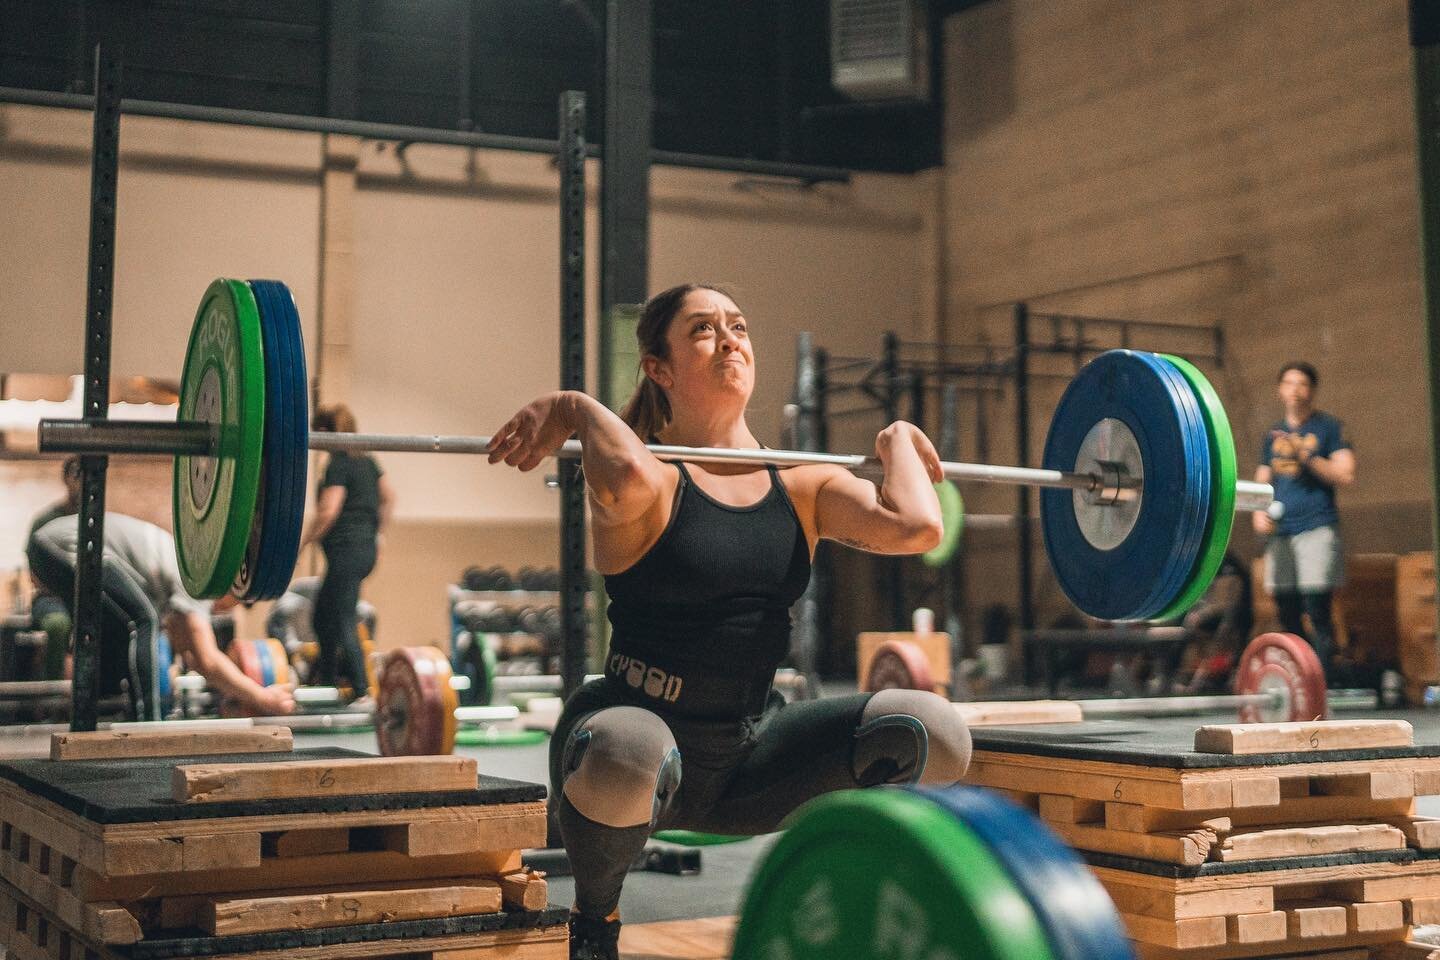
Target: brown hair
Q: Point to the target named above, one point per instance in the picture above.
(1303, 367)
(334, 418)
(647, 412)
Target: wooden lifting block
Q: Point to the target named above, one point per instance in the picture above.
(304, 910)
(1257, 927)
(118, 745)
(1308, 841)
(1247, 738)
(217, 782)
(525, 890)
(1015, 712)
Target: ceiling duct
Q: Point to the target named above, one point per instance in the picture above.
(880, 49)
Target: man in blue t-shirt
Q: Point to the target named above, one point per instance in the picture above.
(1306, 456)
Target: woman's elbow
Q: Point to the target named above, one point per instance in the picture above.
(620, 479)
(923, 535)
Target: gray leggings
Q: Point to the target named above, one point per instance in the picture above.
(615, 769)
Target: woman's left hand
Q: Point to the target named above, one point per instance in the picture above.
(901, 435)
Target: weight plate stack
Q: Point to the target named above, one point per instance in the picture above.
(1127, 561)
(223, 384)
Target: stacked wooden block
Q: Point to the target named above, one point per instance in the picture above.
(154, 846)
(1261, 840)
(1418, 654)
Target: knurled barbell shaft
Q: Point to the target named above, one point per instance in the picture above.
(1174, 706)
(1342, 699)
(198, 439)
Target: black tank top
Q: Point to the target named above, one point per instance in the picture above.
(701, 622)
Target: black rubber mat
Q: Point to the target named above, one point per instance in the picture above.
(202, 945)
(137, 789)
(1208, 869)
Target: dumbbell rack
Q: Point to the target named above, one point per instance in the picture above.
(514, 647)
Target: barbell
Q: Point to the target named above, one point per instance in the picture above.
(1138, 487)
(1277, 678)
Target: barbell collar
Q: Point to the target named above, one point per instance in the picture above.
(103, 436)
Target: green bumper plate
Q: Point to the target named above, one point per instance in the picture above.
(691, 838)
(876, 875)
(952, 516)
(1222, 490)
(494, 737)
(224, 384)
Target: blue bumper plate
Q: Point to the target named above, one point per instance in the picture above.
(1075, 911)
(275, 541)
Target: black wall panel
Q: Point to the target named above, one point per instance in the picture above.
(730, 78)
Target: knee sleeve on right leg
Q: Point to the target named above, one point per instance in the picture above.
(621, 767)
(938, 752)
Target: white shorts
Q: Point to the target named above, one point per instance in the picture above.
(1309, 562)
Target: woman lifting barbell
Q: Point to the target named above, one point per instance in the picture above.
(702, 565)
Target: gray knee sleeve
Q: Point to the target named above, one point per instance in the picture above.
(621, 767)
(911, 736)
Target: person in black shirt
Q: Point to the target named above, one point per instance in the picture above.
(1306, 456)
(353, 505)
(702, 563)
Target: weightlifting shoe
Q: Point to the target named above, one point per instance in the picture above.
(592, 939)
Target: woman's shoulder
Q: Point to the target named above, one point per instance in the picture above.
(807, 479)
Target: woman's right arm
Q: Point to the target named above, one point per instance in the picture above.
(624, 478)
(1260, 520)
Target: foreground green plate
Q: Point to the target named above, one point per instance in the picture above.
(879, 875)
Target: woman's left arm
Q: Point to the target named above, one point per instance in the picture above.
(327, 510)
(900, 516)
(387, 502)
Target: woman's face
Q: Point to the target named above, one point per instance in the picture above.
(710, 351)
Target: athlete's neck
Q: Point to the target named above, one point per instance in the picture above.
(698, 430)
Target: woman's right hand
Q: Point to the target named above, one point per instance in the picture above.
(902, 435)
(1264, 526)
(539, 429)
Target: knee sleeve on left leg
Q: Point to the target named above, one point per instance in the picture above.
(946, 738)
